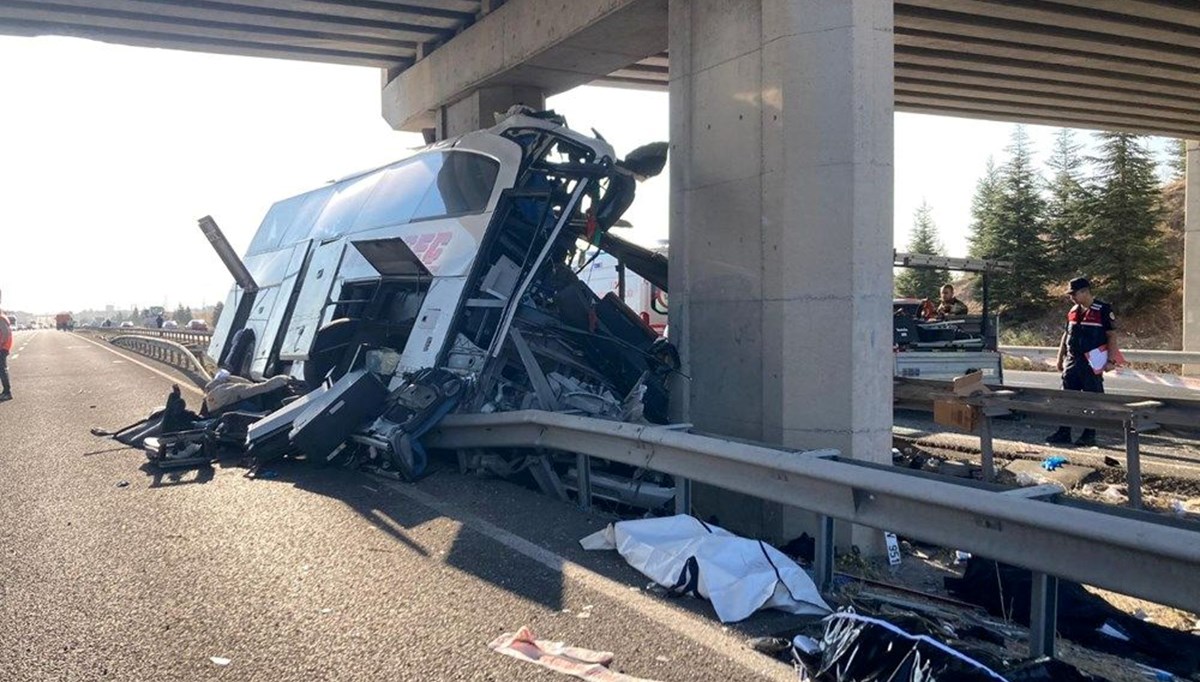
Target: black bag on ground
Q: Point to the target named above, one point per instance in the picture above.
(858, 648)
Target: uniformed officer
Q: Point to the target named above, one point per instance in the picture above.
(1091, 326)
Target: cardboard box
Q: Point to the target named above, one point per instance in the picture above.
(970, 384)
(958, 415)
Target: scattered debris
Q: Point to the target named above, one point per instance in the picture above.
(1053, 463)
(855, 647)
(893, 548)
(1048, 670)
(771, 646)
(560, 658)
(218, 660)
(122, 484)
(803, 549)
(1005, 591)
(687, 556)
(1029, 472)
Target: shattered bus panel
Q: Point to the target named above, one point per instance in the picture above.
(456, 273)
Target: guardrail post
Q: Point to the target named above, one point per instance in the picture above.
(1133, 465)
(1043, 615)
(583, 476)
(683, 495)
(823, 556)
(986, 454)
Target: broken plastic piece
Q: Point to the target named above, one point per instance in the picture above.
(1053, 463)
(568, 660)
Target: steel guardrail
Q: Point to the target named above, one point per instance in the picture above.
(1085, 409)
(1136, 553)
(165, 345)
(1162, 357)
(163, 350)
(1130, 415)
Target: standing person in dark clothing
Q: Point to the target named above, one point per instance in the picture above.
(1087, 350)
(6, 344)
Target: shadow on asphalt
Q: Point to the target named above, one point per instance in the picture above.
(105, 451)
(395, 515)
(167, 479)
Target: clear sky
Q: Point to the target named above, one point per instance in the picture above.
(109, 155)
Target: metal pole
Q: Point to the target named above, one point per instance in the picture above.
(1133, 466)
(986, 454)
(983, 320)
(583, 476)
(621, 281)
(1043, 615)
(683, 495)
(823, 556)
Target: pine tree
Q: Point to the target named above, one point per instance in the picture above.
(1177, 159)
(182, 314)
(921, 282)
(1009, 226)
(1066, 209)
(982, 239)
(1123, 243)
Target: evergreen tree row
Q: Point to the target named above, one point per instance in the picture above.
(1099, 217)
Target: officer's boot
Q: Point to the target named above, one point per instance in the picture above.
(1060, 437)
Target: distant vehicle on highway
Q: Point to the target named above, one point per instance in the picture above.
(126, 325)
(170, 324)
(198, 326)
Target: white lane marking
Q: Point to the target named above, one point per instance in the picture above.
(704, 632)
(175, 380)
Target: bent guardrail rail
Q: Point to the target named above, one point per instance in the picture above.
(165, 345)
(163, 350)
(1162, 357)
(1131, 552)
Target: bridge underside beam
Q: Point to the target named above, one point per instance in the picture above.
(355, 32)
(1113, 64)
(531, 44)
(1108, 64)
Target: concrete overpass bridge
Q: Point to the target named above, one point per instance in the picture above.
(782, 142)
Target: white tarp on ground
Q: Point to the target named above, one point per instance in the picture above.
(738, 575)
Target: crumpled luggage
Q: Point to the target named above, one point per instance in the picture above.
(857, 648)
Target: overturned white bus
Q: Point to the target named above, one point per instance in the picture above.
(448, 278)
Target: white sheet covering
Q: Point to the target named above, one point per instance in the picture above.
(738, 575)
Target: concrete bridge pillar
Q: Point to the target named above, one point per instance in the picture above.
(1191, 256)
(781, 230)
(478, 109)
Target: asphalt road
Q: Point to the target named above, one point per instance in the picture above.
(311, 575)
(1113, 383)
